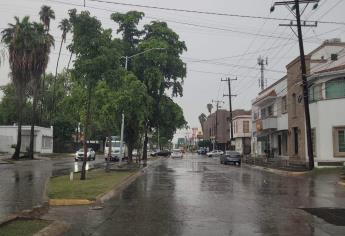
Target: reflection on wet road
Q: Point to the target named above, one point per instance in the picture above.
(198, 196)
(22, 184)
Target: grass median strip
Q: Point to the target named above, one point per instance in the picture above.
(97, 183)
(22, 227)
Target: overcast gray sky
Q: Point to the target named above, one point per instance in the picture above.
(212, 53)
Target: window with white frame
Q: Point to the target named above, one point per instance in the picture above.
(339, 141)
(245, 126)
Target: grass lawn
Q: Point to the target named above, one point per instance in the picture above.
(23, 227)
(96, 183)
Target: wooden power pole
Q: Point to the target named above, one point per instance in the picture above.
(230, 95)
(294, 8)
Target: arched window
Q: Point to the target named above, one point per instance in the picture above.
(335, 88)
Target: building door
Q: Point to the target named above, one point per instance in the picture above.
(295, 135)
(279, 145)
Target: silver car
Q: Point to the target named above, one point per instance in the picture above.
(79, 155)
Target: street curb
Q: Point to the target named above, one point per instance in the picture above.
(119, 188)
(278, 172)
(100, 199)
(57, 228)
(69, 202)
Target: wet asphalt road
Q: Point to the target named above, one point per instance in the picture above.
(198, 196)
(22, 184)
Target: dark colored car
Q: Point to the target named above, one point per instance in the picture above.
(231, 157)
(202, 151)
(163, 153)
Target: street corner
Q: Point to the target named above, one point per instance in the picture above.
(69, 202)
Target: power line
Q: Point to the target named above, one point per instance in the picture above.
(206, 12)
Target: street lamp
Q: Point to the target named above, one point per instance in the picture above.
(137, 54)
(123, 115)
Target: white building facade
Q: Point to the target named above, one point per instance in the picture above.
(242, 126)
(270, 121)
(327, 113)
(43, 139)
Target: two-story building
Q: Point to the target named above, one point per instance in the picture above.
(242, 126)
(269, 117)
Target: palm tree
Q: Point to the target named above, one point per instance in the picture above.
(42, 42)
(46, 14)
(65, 27)
(18, 39)
(202, 119)
(209, 107)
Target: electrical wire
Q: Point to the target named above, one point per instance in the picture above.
(206, 12)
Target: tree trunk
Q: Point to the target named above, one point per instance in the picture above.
(33, 120)
(130, 154)
(20, 102)
(54, 83)
(86, 133)
(69, 61)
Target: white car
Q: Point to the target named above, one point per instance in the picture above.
(176, 153)
(215, 153)
(79, 155)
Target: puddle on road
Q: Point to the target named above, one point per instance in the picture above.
(334, 216)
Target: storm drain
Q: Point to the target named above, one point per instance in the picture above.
(335, 216)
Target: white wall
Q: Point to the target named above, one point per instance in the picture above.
(8, 136)
(326, 53)
(239, 131)
(324, 115)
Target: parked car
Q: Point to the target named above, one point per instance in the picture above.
(115, 149)
(202, 151)
(164, 153)
(176, 153)
(79, 155)
(215, 153)
(231, 157)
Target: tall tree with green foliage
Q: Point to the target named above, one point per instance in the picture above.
(160, 70)
(19, 40)
(41, 47)
(128, 26)
(95, 57)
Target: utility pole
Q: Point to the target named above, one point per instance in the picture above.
(295, 10)
(262, 62)
(230, 95)
(215, 138)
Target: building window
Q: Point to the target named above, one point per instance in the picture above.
(334, 57)
(315, 93)
(245, 126)
(270, 110)
(339, 141)
(294, 103)
(263, 113)
(236, 126)
(284, 105)
(335, 88)
(313, 138)
(47, 142)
